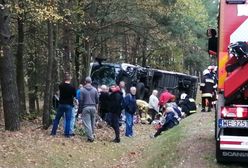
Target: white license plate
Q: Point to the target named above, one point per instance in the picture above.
(233, 123)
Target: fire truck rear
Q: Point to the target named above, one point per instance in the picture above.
(231, 126)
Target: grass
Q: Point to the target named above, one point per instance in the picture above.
(191, 144)
(166, 150)
(163, 152)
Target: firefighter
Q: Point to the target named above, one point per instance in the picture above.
(187, 104)
(212, 72)
(207, 88)
(213, 75)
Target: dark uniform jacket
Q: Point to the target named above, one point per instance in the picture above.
(207, 86)
(115, 102)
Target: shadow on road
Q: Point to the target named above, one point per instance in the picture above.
(233, 165)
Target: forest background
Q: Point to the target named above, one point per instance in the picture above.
(40, 40)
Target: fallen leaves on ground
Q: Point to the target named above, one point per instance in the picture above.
(34, 147)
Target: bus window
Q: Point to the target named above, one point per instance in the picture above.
(104, 74)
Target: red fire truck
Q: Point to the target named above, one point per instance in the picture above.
(231, 126)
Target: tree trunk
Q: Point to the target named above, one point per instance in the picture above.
(8, 73)
(48, 88)
(32, 69)
(31, 95)
(125, 52)
(19, 65)
(32, 82)
(135, 49)
(58, 62)
(56, 59)
(67, 35)
(9, 90)
(86, 60)
(37, 100)
(77, 60)
(144, 46)
(1, 105)
(67, 50)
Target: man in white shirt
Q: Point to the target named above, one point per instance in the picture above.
(153, 104)
(123, 88)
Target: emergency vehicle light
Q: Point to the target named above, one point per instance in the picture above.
(234, 112)
(240, 111)
(235, 1)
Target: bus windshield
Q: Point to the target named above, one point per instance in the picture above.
(104, 74)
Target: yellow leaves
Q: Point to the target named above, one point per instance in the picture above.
(153, 6)
(38, 11)
(17, 9)
(46, 12)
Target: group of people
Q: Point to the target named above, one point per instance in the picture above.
(113, 104)
(208, 88)
(87, 101)
(165, 112)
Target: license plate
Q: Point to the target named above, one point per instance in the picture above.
(233, 123)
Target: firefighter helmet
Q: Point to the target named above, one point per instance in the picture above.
(205, 72)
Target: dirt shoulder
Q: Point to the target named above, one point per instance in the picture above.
(189, 145)
(32, 147)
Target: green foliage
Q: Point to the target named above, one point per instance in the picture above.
(52, 114)
(165, 34)
(80, 131)
(152, 29)
(32, 116)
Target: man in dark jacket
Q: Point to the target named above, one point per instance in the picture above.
(207, 87)
(104, 102)
(116, 100)
(212, 42)
(67, 94)
(130, 109)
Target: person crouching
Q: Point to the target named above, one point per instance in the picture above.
(170, 121)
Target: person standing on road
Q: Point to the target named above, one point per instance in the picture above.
(207, 87)
(88, 105)
(213, 75)
(67, 94)
(74, 111)
(116, 100)
(130, 109)
(153, 105)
